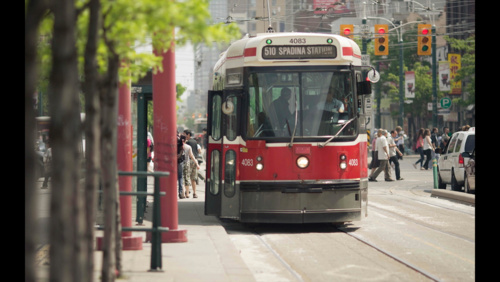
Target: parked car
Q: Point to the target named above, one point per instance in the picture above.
(451, 162)
(470, 172)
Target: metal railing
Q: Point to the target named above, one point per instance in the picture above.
(156, 229)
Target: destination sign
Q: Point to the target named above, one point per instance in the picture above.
(299, 52)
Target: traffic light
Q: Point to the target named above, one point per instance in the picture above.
(424, 40)
(381, 39)
(347, 30)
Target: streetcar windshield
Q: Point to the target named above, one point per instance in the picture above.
(313, 103)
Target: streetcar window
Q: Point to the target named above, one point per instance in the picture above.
(230, 174)
(216, 117)
(312, 103)
(231, 119)
(214, 172)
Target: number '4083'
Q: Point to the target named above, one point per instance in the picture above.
(298, 41)
(247, 162)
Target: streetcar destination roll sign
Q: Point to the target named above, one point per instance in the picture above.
(299, 52)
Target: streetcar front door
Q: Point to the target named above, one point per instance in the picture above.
(214, 154)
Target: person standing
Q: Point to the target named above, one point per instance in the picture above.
(428, 148)
(419, 148)
(393, 152)
(193, 167)
(189, 169)
(383, 158)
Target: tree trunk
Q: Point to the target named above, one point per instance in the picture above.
(34, 14)
(65, 137)
(92, 135)
(109, 105)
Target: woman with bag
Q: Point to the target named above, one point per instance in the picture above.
(419, 148)
(428, 148)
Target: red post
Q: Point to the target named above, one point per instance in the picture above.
(124, 162)
(165, 136)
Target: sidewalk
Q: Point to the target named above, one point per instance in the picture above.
(208, 255)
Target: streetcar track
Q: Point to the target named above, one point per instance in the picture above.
(279, 258)
(398, 259)
(425, 225)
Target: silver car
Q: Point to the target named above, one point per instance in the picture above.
(451, 162)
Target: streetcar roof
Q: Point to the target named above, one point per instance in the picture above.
(248, 50)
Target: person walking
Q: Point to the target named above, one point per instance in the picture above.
(383, 158)
(419, 148)
(180, 164)
(47, 163)
(400, 139)
(393, 152)
(428, 148)
(374, 163)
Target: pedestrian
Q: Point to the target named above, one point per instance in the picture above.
(446, 133)
(191, 164)
(374, 163)
(444, 143)
(150, 149)
(180, 164)
(428, 148)
(47, 164)
(419, 148)
(435, 142)
(393, 152)
(399, 140)
(383, 158)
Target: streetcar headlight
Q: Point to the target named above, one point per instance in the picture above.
(343, 161)
(259, 166)
(302, 162)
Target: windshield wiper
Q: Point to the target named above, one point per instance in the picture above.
(331, 138)
(295, 127)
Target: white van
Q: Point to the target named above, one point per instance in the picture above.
(451, 163)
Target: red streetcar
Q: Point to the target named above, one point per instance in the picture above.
(286, 130)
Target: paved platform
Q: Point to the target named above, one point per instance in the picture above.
(208, 255)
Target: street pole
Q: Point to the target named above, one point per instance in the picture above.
(434, 78)
(401, 81)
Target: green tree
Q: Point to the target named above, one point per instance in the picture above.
(467, 72)
(90, 45)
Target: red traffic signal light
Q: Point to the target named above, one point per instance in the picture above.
(381, 39)
(424, 40)
(347, 30)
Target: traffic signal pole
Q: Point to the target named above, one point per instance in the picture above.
(434, 78)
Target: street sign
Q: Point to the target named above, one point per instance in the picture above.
(445, 103)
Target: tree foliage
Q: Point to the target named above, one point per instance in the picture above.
(58, 45)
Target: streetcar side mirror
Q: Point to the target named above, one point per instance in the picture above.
(364, 88)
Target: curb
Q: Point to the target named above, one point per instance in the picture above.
(459, 196)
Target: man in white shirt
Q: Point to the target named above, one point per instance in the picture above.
(383, 157)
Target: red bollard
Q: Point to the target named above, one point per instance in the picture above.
(165, 136)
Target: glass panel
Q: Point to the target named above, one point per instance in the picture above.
(470, 144)
(319, 103)
(232, 121)
(216, 117)
(215, 172)
(230, 174)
